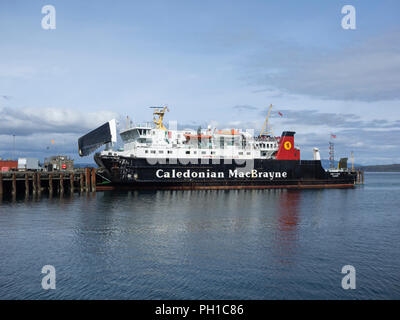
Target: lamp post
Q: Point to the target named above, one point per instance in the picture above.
(13, 146)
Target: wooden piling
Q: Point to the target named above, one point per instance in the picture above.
(39, 184)
(50, 183)
(359, 177)
(87, 179)
(34, 183)
(61, 183)
(93, 180)
(14, 184)
(81, 181)
(71, 182)
(30, 183)
(26, 184)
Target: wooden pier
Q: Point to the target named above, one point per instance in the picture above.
(360, 177)
(87, 180)
(54, 182)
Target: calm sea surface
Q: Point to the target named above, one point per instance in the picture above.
(244, 244)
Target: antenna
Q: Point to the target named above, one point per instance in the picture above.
(13, 146)
(352, 161)
(331, 155)
(266, 129)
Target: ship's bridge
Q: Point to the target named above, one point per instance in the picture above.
(139, 133)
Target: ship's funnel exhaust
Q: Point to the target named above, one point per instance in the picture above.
(287, 150)
(107, 133)
(317, 156)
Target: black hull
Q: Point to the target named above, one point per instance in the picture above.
(138, 173)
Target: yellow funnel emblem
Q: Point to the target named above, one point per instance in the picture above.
(287, 145)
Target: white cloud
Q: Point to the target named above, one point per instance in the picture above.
(26, 121)
(17, 71)
(34, 128)
(366, 71)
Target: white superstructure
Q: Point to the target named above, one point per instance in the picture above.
(156, 141)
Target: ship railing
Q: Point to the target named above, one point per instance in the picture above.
(147, 125)
(267, 139)
(194, 146)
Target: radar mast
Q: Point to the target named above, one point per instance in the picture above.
(267, 129)
(159, 116)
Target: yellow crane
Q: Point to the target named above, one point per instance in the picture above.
(266, 129)
(160, 114)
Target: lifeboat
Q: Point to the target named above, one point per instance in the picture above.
(197, 136)
(232, 132)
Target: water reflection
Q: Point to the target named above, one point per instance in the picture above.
(237, 244)
(287, 235)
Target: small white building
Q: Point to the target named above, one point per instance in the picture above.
(28, 164)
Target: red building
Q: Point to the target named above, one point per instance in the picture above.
(7, 165)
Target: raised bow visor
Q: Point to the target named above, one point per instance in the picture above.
(106, 133)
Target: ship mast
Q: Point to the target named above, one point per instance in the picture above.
(266, 129)
(160, 114)
(331, 155)
(352, 161)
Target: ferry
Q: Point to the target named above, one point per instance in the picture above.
(156, 157)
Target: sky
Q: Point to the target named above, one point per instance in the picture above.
(219, 62)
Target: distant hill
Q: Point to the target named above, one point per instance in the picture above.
(326, 164)
(370, 168)
(381, 168)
